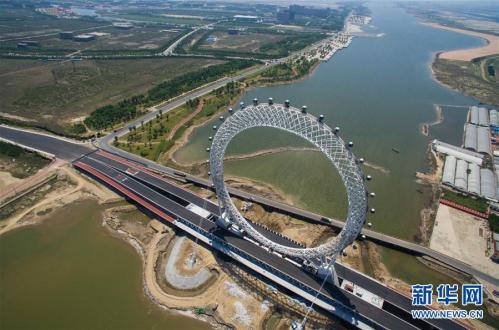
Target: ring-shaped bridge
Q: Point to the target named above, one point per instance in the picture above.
(321, 136)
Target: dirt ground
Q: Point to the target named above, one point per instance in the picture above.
(6, 179)
(77, 188)
(464, 237)
(430, 179)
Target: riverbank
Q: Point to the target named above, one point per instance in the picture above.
(233, 299)
(468, 54)
(149, 244)
(431, 180)
(71, 187)
(467, 70)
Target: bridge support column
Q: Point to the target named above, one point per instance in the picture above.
(327, 271)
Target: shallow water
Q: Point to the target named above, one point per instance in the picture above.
(70, 273)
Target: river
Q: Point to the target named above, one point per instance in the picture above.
(378, 90)
(70, 273)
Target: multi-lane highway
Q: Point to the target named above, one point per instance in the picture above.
(184, 196)
(70, 150)
(171, 199)
(59, 147)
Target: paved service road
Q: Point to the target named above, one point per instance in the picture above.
(59, 147)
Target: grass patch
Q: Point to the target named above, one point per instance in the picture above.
(150, 139)
(19, 162)
(284, 72)
(478, 204)
(472, 78)
(50, 94)
(108, 116)
(494, 223)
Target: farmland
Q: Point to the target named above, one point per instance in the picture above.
(56, 94)
(242, 42)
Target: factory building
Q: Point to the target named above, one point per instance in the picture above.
(494, 118)
(246, 18)
(463, 166)
(459, 153)
(473, 115)
(487, 183)
(449, 170)
(477, 138)
(84, 37)
(483, 116)
(461, 177)
(483, 140)
(474, 178)
(123, 25)
(470, 137)
(470, 178)
(66, 35)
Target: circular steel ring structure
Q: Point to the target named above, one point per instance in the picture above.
(312, 129)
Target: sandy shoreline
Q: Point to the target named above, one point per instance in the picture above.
(468, 54)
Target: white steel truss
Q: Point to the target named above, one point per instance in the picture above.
(321, 136)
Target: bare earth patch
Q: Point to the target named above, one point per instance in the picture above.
(464, 237)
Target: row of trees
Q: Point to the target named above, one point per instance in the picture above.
(289, 70)
(288, 45)
(107, 116)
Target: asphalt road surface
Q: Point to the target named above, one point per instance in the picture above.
(59, 147)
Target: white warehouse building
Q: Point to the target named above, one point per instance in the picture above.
(474, 115)
(461, 179)
(449, 173)
(483, 116)
(487, 183)
(474, 178)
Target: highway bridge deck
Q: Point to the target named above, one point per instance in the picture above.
(348, 300)
(398, 301)
(395, 298)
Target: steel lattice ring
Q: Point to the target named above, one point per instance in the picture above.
(319, 134)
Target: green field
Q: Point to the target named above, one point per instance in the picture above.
(20, 21)
(141, 37)
(471, 78)
(52, 94)
(478, 204)
(260, 43)
(246, 42)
